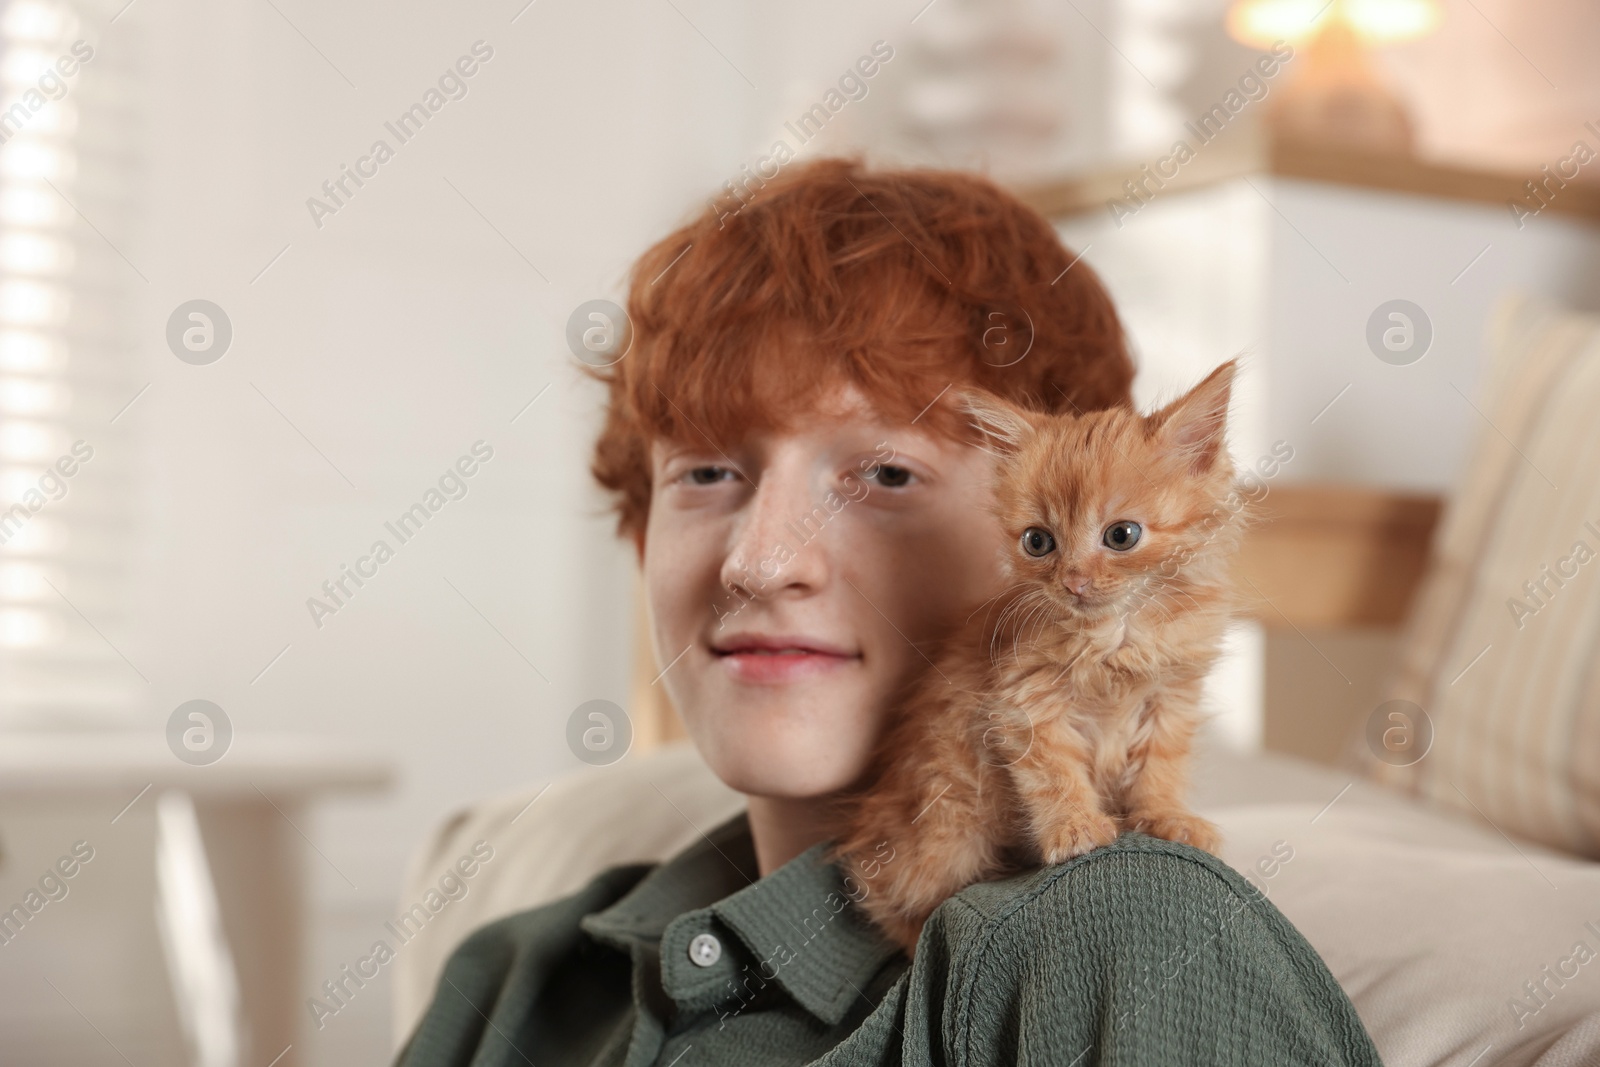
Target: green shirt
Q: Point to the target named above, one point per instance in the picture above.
(1141, 952)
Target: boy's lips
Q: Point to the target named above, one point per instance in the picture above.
(751, 641)
(779, 658)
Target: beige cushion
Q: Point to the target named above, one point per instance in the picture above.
(1508, 680)
(1430, 921)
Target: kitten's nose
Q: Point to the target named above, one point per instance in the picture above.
(1077, 583)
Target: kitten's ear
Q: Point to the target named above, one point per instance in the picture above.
(1194, 423)
(1004, 427)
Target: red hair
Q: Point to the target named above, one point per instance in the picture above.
(902, 283)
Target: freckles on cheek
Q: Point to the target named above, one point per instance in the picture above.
(683, 562)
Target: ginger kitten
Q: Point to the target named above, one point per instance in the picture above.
(1062, 713)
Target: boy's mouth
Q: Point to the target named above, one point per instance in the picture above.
(778, 658)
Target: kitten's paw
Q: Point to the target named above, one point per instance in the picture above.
(1175, 825)
(1075, 836)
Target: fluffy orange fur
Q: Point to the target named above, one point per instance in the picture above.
(1063, 714)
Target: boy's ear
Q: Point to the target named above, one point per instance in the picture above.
(1194, 424)
(1005, 428)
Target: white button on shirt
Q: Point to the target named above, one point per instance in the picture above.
(705, 950)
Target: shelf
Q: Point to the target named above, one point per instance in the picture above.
(1336, 555)
(1244, 154)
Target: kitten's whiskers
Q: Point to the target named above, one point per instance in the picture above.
(1024, 603)
(1043, 607)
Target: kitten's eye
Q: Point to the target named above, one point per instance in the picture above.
(1121, 536)
(893, 477)
(1037, 542)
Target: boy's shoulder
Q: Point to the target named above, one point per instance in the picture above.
(1163, 943)
(1131, 904)
(1132, 870)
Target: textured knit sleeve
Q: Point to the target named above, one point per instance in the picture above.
(1138, 954)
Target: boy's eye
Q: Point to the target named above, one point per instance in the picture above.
(706, 475)
(891, 477)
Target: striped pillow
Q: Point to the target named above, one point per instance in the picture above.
(1500, 647)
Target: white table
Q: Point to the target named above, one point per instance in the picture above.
(250, 808)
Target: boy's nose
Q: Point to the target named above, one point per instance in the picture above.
(780, 505)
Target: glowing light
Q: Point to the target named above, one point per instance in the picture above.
(27, 303)
(38, 537)
(14, 481)
(32, 396)
(29, 441)
(21, 582)
(32, 159)
(29, 20)
(20, 628)
(1394, 20)
(23, 65)
(31, 206)
(59, 118)
(24, 350)
(33, 253)
(1262, 22)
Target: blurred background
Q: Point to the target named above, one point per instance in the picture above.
(237, 339)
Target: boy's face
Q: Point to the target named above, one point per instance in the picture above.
(861, 542)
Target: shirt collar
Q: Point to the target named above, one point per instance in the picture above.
(798, 927)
